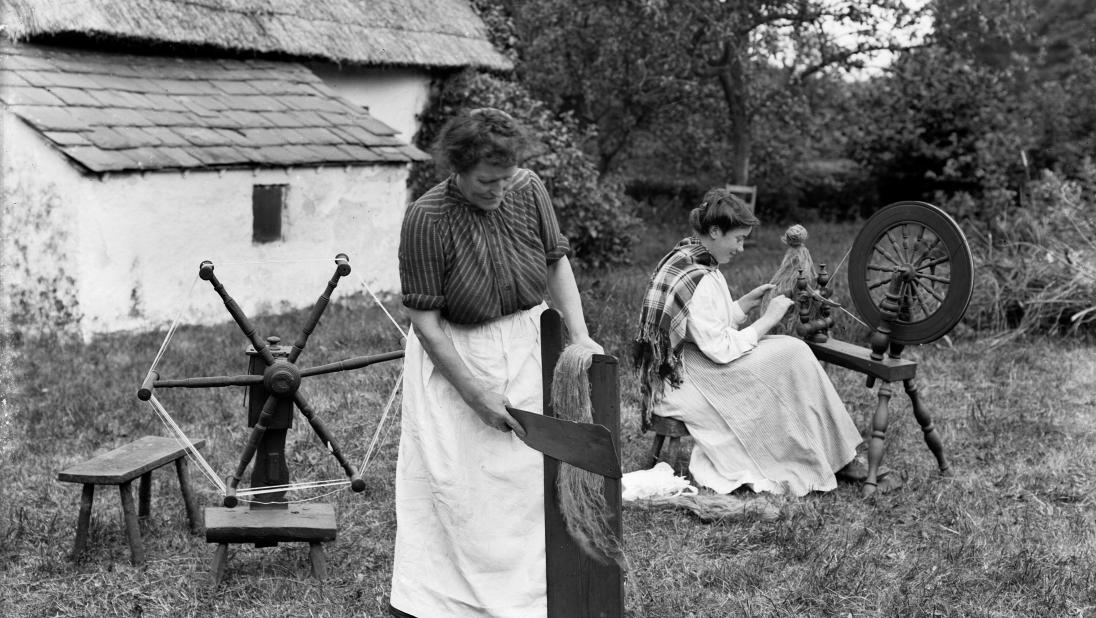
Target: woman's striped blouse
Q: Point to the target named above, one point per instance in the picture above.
(476, 265)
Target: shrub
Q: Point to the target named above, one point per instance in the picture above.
(1036, 264)
(594, 213)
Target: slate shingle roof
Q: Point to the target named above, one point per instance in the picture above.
(114, 112)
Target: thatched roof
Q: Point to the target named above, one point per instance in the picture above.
(428, 33)
(117, 112)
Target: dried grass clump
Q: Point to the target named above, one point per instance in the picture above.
(1036, 265)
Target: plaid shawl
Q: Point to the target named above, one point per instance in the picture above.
(665, 311)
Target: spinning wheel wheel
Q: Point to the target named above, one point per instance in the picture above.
(914, 256)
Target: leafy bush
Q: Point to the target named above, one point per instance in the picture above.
(594, 213)
(1036, 264)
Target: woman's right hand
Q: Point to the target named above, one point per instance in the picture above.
(490, 407)
(778, 307)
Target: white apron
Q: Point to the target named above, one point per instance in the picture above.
(469, 498)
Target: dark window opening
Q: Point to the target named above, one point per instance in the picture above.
(267, 204)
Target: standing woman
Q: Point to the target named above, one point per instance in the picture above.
(761, 410)
(478, 254)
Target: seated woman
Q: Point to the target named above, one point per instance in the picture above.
(761, 410)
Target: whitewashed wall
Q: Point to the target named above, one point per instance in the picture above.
(394, 96)
(134, 241)
(39, 232)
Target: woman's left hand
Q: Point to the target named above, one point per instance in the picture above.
(587, 342)
(752, 298)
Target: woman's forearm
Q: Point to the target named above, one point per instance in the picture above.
(443, 354)
(564, 292)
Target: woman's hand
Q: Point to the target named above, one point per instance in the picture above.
(778, 307)
(774, 314)
(490, 407)
(587, 342)
(753, 298)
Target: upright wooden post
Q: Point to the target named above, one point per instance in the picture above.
(578, 586)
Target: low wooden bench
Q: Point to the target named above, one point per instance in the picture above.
(119, 467)
(312, 523)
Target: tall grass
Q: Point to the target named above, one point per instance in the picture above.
(1011, 534)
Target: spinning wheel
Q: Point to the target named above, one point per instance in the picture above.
(911, 276)
(914, 255)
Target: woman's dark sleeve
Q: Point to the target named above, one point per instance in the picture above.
(422, 260)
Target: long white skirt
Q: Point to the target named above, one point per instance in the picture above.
(770, 419)
(469, 498)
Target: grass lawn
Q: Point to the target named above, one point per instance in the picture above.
(1011, 534)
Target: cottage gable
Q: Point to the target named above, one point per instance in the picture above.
(114, 112)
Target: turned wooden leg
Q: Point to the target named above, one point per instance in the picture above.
(129, 524)
(220, 556)
(188, 495)
(656, 448)
(83, 522)
(144, 495)
(878, 435)
(932, 439)
(319, 565)
(680, 466)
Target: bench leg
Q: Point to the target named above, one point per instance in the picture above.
(129, 524)
(144, 495)
(220, 556)
(188, 495)
(932, 439)
(656, 448)
(83, 522)
(878, 435)
(676, 457)
(319, 564)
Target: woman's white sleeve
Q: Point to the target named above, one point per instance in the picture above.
(710, 323)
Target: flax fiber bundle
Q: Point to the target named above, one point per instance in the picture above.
(581, 497)
(796, 257)
(713, 507)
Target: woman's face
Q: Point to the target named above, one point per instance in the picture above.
(726, 245)
(485, 184)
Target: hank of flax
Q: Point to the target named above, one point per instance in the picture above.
(581, 498)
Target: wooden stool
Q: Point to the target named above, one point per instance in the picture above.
(675, 430)
(266, 527)
(119, 467)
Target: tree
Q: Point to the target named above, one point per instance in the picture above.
(631, 66)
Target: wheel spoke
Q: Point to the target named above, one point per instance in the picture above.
(886, 255)
(906, 249)
(936, 278)
(930, 291)
(927, 252)
(934, 263)
(920, 300)
(880, 283)
(897, 248)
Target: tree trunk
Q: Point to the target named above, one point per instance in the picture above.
(732, 79)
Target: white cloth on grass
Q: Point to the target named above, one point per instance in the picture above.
(762, 412)
(470, 498)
